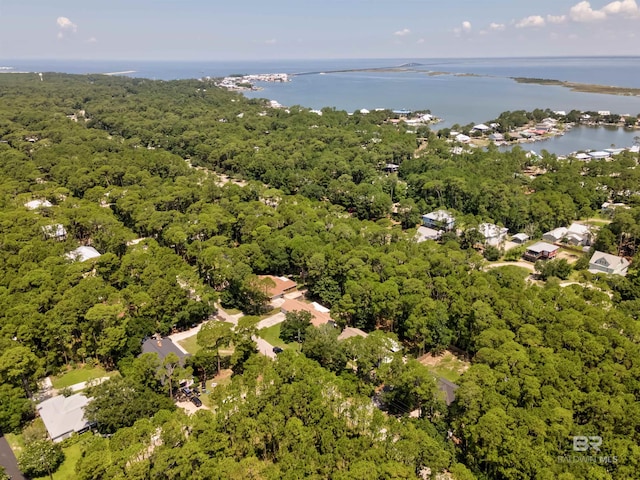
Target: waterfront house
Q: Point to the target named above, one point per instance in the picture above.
(481, 127)
(606, 263)
(439, 220)
(496, 137)
(541, 251)
(462, 138)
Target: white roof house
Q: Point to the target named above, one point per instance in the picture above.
(462, 138)
(555, 235)
(35, 204)
(425, 233)
(493, 234)
(520, 237)
(606, 263)
(63, 416)
(481, 127)
(439, 219)
(578, 234)
(56, 231)
(82, 254)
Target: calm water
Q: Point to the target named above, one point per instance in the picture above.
(454, 98)
(584, 138)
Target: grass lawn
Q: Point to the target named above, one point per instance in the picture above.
(79, 375)
(231, 311)
(272, 335)
(71, 455)
(447, 366)
(68, 468)
(270, 314)
(190, 344)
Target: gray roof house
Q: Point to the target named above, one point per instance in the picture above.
(162, 347)
(606, 263)
(439, 219)
(64, 416)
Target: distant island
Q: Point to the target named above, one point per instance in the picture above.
(582, 87)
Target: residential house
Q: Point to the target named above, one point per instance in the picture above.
(439, 220)
(520, 238)
(82, 254)
(349, 332)
(481, 127)
(425, 233)
(556, 235)
(56, 232)
(599, 155)
(541, 251)
(319, 314)
(606, 263)
(163, 347)
(493, 234)
(391, 168)
(578, 234)
(35, 204)
(462, 138)
(282, 286)
(64, 416)
(496, 137)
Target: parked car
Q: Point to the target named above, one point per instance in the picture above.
(196, 401)
(277, 350)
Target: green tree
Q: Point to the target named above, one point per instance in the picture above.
(295, 325)
(321, 344)
(40, 458)
(119, 402)
(213, 336)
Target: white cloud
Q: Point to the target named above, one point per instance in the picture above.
(420, 40)
(496, 26)
(556, 18)
(402, 33)
(65, 24)
(271, 41)
(532, 21)
(92, 40)
(582, 12)
(466, 26)
(625, 7)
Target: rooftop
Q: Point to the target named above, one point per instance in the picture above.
(63, 415)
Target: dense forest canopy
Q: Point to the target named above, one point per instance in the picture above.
(133, 167)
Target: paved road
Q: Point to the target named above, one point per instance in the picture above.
(8, 460)
(521, 263)
(264, 347)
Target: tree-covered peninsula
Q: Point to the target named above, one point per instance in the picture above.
(190, 195)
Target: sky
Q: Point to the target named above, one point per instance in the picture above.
(313, 29)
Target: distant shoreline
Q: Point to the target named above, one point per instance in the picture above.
(582, 87)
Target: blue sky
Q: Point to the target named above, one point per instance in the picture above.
(296, 29)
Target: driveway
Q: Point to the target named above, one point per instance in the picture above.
(264, 347)
(8, 460)
(271, 321)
